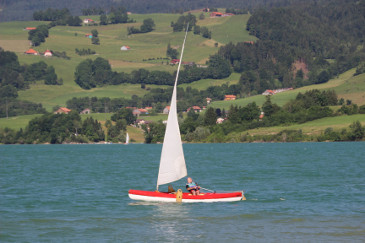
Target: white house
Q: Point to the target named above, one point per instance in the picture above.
(88, 21)
(166, 110)
(47, 53)
(220, 120)
(125, 48)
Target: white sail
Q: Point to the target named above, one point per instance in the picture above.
(127, 139)
(172, 162)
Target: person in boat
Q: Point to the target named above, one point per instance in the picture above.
(192, 187)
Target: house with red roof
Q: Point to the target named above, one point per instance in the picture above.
(174, 61)
(125, 48)
(30, 28)
(216, 14)
(194, 108)
(88, 21)
(62, 110)
(230, 97)
(166, 110)
(143, 111)
(31, 52)
(268, 92)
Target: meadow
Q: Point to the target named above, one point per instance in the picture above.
(313, 127)
(147, 51)
(346, 86)
(151, 45)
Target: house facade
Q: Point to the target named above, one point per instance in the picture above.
(47, 53)
(166, 110)
(230, 97)
(62, 110)
(88, 21)
(125, 48)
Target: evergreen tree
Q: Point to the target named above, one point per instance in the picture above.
(210, 117)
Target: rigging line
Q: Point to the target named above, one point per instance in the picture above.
(181, 55)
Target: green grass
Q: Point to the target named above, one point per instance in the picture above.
(17, 122)
(159, 117)
(233, 30)
(346, 86)
(112, 37)
(205, 83)
(313, 127)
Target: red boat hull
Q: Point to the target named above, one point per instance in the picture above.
(155, 196)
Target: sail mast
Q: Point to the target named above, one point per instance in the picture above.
(172, 163)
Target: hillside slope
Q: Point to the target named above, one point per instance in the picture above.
(346, 86)
(143, 47)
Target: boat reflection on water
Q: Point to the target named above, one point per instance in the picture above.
(172, 222)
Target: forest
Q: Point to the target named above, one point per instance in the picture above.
(325, 42)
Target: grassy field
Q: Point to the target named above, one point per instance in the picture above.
(17, 122)
(136, 135)
(205, 83)
(346, 86)
(313, 127)
(13, 37)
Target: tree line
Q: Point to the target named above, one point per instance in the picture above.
(23, 9)
(147, 26)
(117, 15)
(56, 129)
(90, 74)
(183, 21)
(15, 77)
(57, 17)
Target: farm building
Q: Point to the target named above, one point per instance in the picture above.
(125, 48)
(166, 110)
(47, 53)
(216, 14)
(62, 110)
(88, 21)
(31, 52)
(174, 61)
(194, 108)
(30, 28)
(230, 97)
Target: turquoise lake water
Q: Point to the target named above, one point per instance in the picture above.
(296, 192)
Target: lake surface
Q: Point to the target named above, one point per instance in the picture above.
(296, 192)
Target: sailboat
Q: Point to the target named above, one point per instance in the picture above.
(127, 139)
(173, 166)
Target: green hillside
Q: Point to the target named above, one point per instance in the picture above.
(313, 127)
(143, 46)
(346, 86)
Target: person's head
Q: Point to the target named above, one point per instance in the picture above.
(190, 180)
